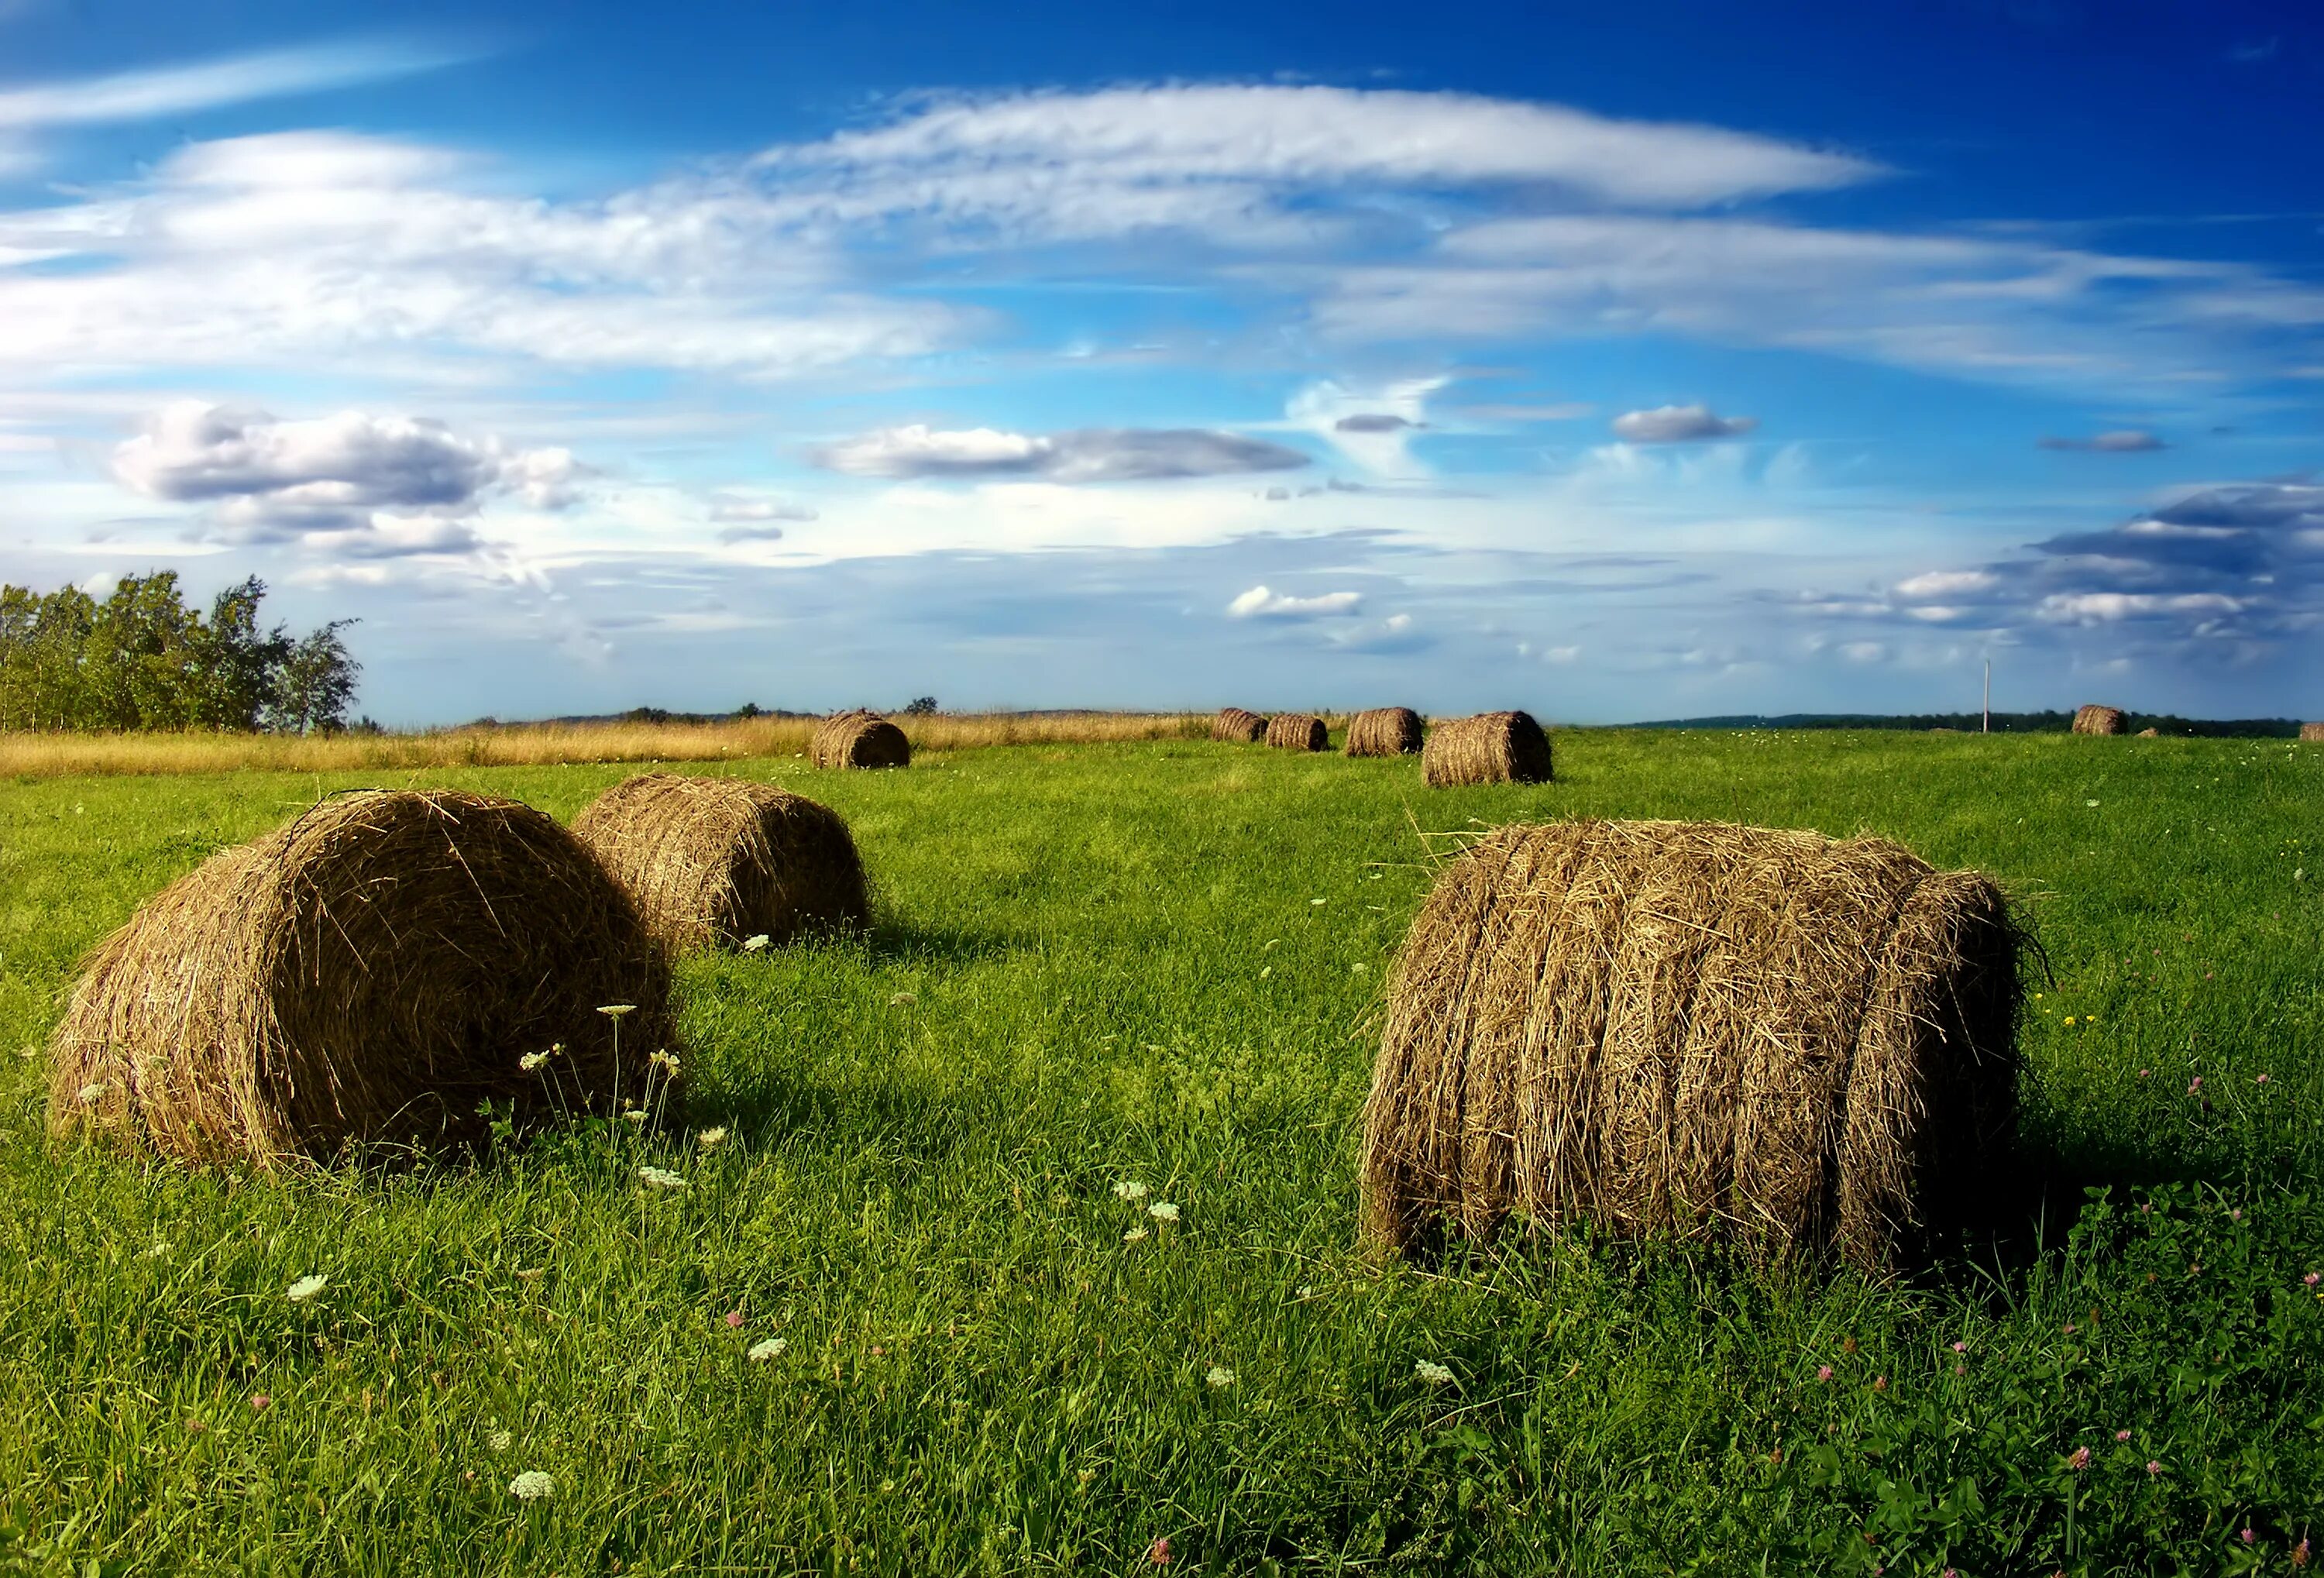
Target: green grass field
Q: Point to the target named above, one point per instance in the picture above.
(1162, 964)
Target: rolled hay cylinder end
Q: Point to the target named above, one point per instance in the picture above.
(713, 862)
(1384, 731)
(1296, 730)
(1237, 727)
(1492, 747)
(1801, 1044)
(2093, 719)
(2314, 732)
(859, 739)
(369, 974)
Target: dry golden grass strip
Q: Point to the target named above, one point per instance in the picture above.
(714, 861)
(860, 738)
(1492, 747)
(1384, 731)
(1802, 1043)
(2311, 732)
(1237, 727)
(369, 974)
(2099, 720)
(1296, 730)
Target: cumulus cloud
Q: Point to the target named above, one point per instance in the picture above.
(1371, 426)
(2121, 441)
(375, 485)
(1262, 603)
(1679, 424)
(1095, 455)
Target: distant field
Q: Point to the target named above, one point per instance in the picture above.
(1104, 963)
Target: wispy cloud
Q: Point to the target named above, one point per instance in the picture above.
(1091, 456)
(1679, 424)
(2121, 441)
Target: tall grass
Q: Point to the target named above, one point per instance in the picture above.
(44, 755)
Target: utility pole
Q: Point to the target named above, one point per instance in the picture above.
(1988, 697)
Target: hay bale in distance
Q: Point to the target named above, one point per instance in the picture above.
(1492, 747)
(1804, 1043)
(370, 972)
(858, 738)
(2099, 720)
(713, 862)
(2150, 733)
(1384, 731)
(1235, 726)
(2311, 732)
(1296, 730)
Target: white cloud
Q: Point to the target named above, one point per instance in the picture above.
(1371, 427)
(1933, 584)
(732, 508)
(1679, 424)
(1095, 454)
(2107, 607)
(365, 484)
(1260, 603)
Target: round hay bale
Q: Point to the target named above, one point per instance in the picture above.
(1804, 1043)
(369, 974)
(713, 862)
(858, 738)
(2099, 720)
(1237, 727)
(2311, 732)
(2150, 733)
(1492, 747)
(1384, 731)
(1296, 731)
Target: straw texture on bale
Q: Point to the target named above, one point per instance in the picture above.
(372, 972)
(1492, 747)
(2099, 720)
(1802, 1043)
(1384, 731)
(713, 862)
(860, 738)
(2312, 731)
(1296, 731)
(1235, 726)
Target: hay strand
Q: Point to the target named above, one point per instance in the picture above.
(1492, 747)
(1296, 730)
(1802, 1043)
(858, 738)
(2093, 719)
(1237, 727)
(370, 972)
(1384, 731)
(713, 862)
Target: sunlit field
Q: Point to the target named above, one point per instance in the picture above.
(1030, 1241)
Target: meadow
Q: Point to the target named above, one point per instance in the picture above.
(1020, 1235)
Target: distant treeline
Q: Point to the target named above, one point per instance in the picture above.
(2004, 723)
(141, 659)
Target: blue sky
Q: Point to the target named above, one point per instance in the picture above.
(1689, 360)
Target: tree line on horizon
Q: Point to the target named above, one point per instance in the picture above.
(142, 658)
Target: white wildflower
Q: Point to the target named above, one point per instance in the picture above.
(2092, 804)
(762, 1351)
(1220, 1376)
(635, 1114)
(1358, 969)
(666, 1058)
(532, 1485)
(751, 944)
(305, 1288)
(614, 1011)
(1314, 901)
(1130, 1189)
(531, 1060)
(1163, 1211)
(1133, 1235)
(1433, 1373)
(711, 1139)
(661, 1178)
(499, 1441)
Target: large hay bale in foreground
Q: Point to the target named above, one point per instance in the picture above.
(371, 973)
(1678, 1028)
(858, 738)
(713, 862)
(1492, 747)
(2311, 732)
(1384, 731)
(1296, 730)
(2099, 720)
(1237, 727)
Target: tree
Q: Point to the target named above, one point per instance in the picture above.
(920, 706)
(314, 684)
